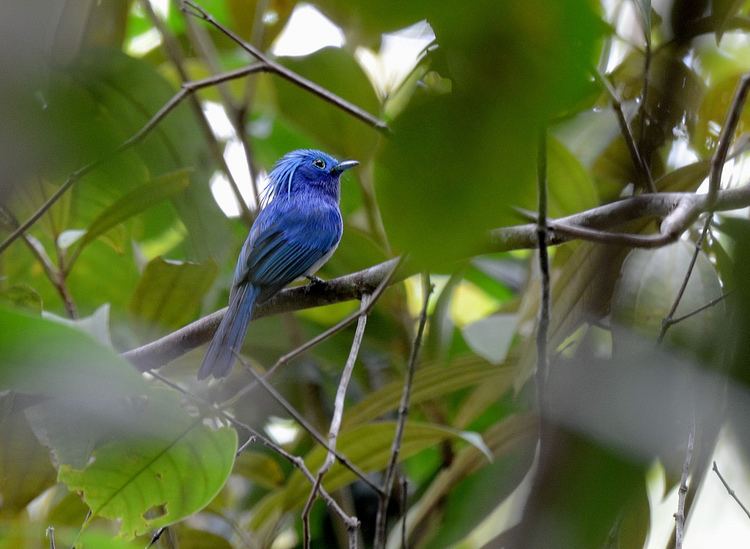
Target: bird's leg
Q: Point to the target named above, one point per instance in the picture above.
(315, 280)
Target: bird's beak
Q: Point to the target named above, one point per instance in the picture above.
(345, 165)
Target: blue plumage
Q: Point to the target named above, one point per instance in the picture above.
(297, 230)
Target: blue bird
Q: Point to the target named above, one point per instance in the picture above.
(296, 232)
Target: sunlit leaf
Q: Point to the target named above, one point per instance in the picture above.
(429, 383)
(149, 483)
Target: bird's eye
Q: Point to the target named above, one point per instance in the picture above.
(319, 163)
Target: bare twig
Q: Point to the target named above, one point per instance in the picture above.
(404, 510)
(679, 516)
(299, 418)
(646, 181)
(174, 52)
(54, 274)
(157, 535)
(333, 432)
(403, 412)
(544, 303)
(702, 308)
(712, 199)
(725, 138)
(192, 8)
(730, 491)
(50, 533)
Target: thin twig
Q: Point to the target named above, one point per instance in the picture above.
(404, 509)
(725, 138)
(192, 8)
(52, 272)
(157, 535)
(338, 414)
(299, 418)
(174, 52)
(730, 491)
(50, 533)
(679, 516)
(403, 413)
(646, 181)
(702, 308)
(544, 304)
(718, 160)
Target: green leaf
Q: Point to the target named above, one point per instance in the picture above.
(571, 188)
(169, 294)
(134, 202)
(25, 467)
(153, 482)
(337, 70)
(430, 382)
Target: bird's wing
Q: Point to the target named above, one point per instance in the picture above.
(286, 244)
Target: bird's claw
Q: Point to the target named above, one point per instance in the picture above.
(314, 280)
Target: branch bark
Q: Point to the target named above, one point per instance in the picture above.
(679, 210)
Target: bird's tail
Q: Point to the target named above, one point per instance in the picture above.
(230, 334)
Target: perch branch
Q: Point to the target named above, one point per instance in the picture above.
(679, 210)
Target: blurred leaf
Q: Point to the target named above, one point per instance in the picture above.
(96, 325)
(169, 294)
(685, 179)
(723, 11)
(25, 467)
(259, 468)
(430, 382)
(134, 202)
(45, 357)
(148, 483)
(491, 336)
(22, 297)
(649, 284)
(337, 70)
(571, 189)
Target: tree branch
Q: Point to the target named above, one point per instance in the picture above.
(679, 210)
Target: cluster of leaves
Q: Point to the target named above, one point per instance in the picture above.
(138, 248)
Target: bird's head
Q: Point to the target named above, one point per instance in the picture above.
(304, 170)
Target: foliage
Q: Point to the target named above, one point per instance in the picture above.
(139, 247)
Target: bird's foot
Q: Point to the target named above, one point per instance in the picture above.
(314, 280)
